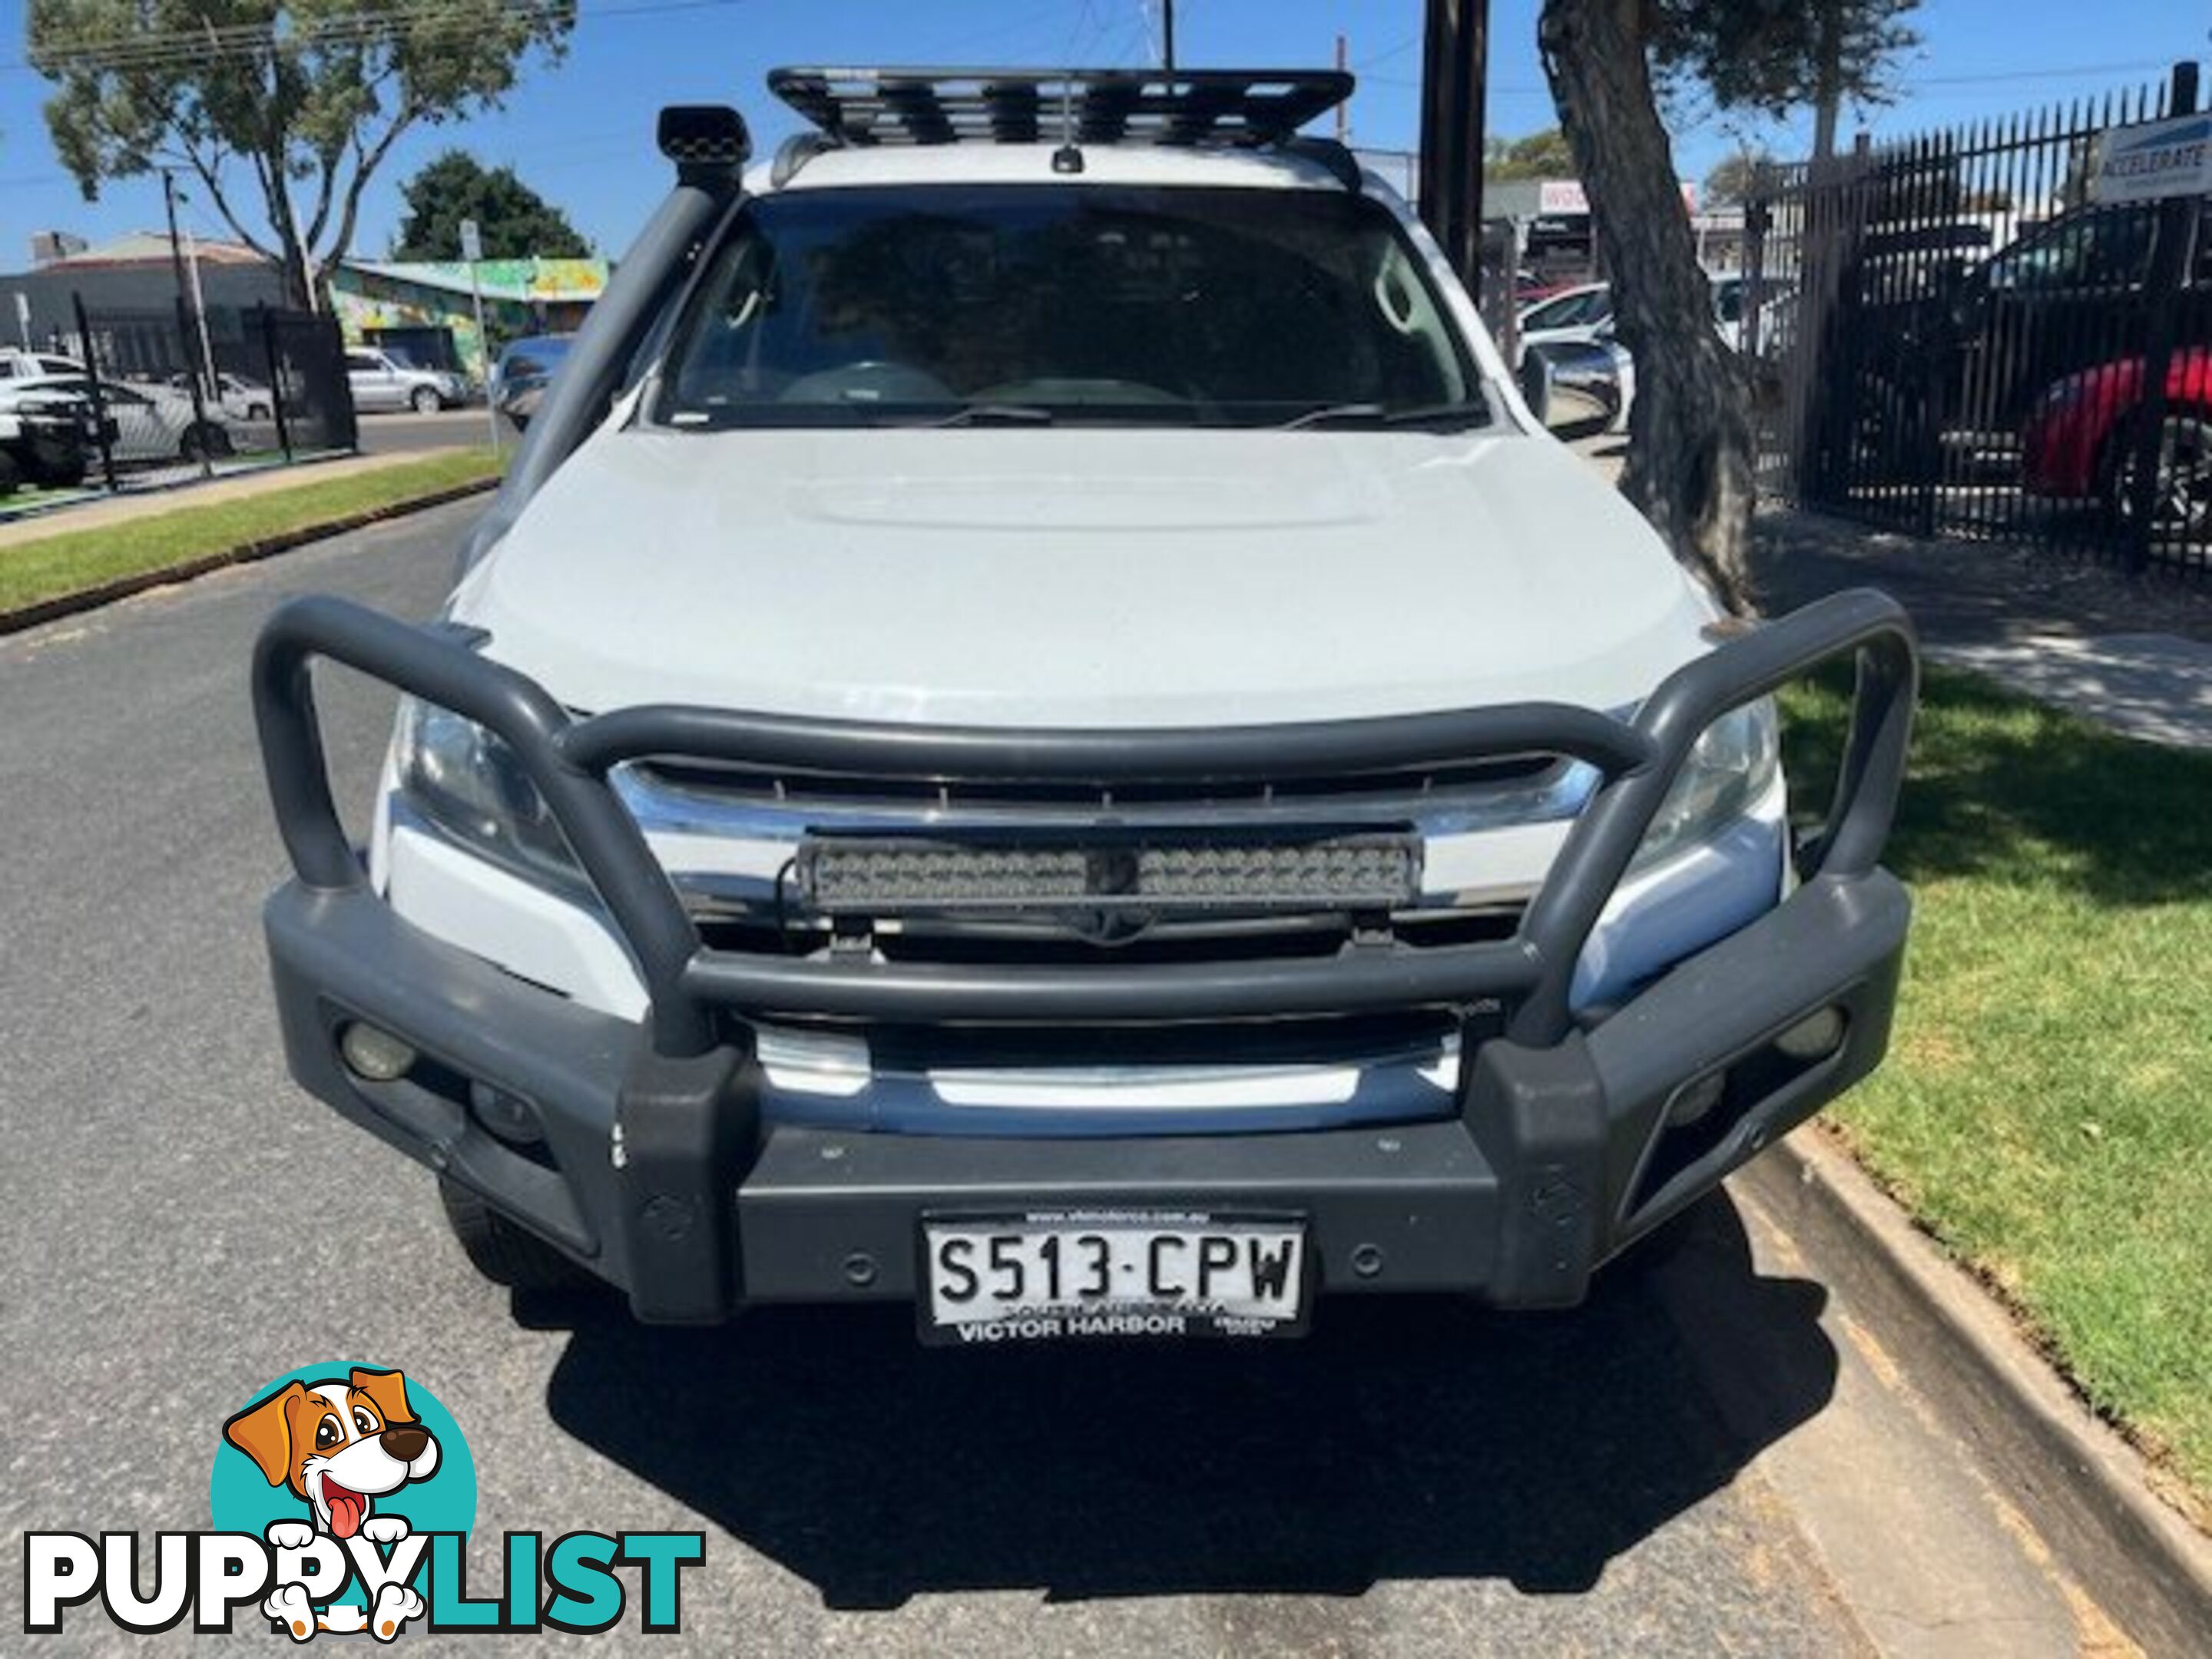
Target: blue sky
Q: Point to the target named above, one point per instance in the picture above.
(580, 132)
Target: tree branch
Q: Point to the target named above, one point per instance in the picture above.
(328, 158)
(207, 170)
(327, 161)
(366, 162)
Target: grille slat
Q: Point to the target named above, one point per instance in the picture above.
(1347, 790)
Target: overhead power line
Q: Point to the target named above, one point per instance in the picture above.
(169, 48)
(252, 40)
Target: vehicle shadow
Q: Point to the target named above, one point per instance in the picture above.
(1406, 1439)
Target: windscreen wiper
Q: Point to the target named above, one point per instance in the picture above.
(988, 415)
(1469, 413)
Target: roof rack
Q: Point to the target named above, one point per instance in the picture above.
(1243, 107)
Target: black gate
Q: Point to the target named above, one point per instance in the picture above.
(182, 394)
(1949, 336)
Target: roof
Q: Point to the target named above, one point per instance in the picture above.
(549, 280)
(151, 247)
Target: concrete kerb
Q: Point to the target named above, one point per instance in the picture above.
(2092, 1497)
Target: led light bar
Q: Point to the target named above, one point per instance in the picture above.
(869, 876)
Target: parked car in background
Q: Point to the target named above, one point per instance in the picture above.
(150, 423)
(17, 364)
(382, 381)
(1777, 312)
(238, 396)
(1970, 351)
(1576, 316)
(243, 399)
(2078, 443)
(1585, 313)
(524, 371)
(45, 439)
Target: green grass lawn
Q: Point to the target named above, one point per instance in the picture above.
(2046, 1108)
(75, 560)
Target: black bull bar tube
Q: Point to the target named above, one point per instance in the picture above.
(1563, 1121)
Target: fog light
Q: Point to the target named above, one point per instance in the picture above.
(1814, 1038)
(1694, 1099)
(508, 1116)
(375, 1055)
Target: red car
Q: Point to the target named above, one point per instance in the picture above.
(2076, 445)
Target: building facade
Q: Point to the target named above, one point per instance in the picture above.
(425, 312)
(130, 292)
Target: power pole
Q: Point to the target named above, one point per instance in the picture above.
(1454, 63)
(1167, 35)
(199, 314)
(1343, 110)
(473, 251)
(185, 314)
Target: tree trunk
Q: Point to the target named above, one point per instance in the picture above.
(1828, 79)
(291, 252)
(1689, 450)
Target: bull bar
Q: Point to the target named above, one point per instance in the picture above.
(660, 1175)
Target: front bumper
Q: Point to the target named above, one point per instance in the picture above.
(656, 1169)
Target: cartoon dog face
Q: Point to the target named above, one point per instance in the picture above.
(339, 1444)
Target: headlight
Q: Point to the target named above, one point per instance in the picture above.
(463, 781)
(1728, 770)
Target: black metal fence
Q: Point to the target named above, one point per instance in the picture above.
(1950, 337)
(178, 395)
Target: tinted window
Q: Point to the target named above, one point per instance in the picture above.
(1080, 302)
(2109, 248)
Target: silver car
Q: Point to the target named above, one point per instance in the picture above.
(380, 381)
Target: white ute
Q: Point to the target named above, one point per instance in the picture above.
(1035, 684)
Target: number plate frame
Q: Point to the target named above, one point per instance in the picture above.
(1113, 1316)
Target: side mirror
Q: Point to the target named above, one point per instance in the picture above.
(1570, 388)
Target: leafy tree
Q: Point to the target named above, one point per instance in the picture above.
(1734, 179)
(1543, 155)
(285, 109)
(1780, 56)
(515, 220)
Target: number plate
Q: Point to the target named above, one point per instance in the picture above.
(1075, 1274)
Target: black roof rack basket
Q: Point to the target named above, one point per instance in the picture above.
(1246, 107)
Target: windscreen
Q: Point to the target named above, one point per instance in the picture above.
(1070, 303)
